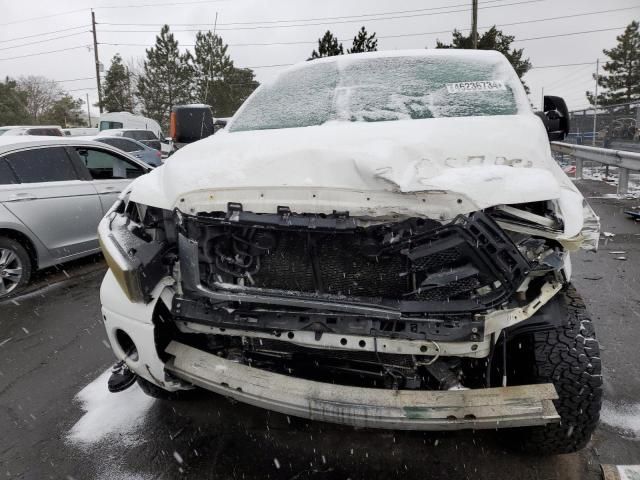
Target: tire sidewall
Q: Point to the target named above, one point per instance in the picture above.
(25, 259)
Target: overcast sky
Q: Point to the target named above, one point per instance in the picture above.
(244, 21)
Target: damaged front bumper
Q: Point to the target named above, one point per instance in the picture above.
(505, 407)
(264, 307)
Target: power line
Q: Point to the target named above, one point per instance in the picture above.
(327, 23)
(44, 16)
(381, 37)
(569, 34)
(564, 65)
(344, 17)
(43, 41)
(45, 53)
(81, 89)
(43, 33)
(74, 79)
(570, 78)
(68, 12)
(390, 36)
(170, 4)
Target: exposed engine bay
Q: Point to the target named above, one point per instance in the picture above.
(334, 298)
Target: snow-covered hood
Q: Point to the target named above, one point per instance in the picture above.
(442, 167)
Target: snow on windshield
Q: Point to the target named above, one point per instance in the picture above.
(382, 89)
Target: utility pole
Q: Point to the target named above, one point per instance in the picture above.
(474, 24)
(206, 87)
(595, 103)
(95, 54)
(88, 110)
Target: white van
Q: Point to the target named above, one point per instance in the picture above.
(129, 121)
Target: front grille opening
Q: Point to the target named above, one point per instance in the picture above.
(417, 260)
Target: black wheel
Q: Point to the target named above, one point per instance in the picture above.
(15, 267)
(569, 357)
(160, 393)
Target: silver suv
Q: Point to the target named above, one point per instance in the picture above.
(53, 193)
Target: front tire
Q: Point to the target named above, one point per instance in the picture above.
(15, 267)
(569, 357)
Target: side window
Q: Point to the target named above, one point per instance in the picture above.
(106, 125)
(48, 164)
(141, 135)
(107, 166)
(6, 175)
(49, 132)
(123, 144)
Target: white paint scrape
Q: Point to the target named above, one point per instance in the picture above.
(625, 418)
(109, 416)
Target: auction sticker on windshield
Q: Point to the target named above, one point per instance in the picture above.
(479, 86)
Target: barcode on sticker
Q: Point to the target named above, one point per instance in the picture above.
(479, 86)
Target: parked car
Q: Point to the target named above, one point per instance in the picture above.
(53, 193)
(379, 240)
(146, 137)
(129, 121)
(80, 132)
(38, 130)
(148, 155)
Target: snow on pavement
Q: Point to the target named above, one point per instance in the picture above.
(625, 418)
(109, 416)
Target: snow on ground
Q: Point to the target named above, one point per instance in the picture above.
(625, 418)
(598, 173)
(109, 416)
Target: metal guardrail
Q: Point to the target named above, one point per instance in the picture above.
(625, 161)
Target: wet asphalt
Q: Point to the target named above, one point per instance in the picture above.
(52, 344)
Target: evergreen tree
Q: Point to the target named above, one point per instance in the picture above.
(117, 91)
(363, 42)
(166, 79)
(328, 46)
(493, 39)
(13, 104)
(66, 111)
(243, 82)
(621, 82)
(218, 82)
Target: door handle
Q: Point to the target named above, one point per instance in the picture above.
(21, 197)
(109, 190)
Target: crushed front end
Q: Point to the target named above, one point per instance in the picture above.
(389, 324)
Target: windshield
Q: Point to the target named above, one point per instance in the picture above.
(381, 89)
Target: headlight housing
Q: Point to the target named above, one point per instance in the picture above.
(136, 247)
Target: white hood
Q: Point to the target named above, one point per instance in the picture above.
(433, 167)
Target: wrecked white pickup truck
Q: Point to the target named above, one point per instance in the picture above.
(380, 240)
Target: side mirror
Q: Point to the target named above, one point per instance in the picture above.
(555, 117)
(219, 125)
(190, 123)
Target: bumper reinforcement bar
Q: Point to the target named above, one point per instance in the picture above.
(517, 406)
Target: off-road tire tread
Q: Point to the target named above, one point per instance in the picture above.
(569, 357)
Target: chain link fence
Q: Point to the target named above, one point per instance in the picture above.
(616, 127)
